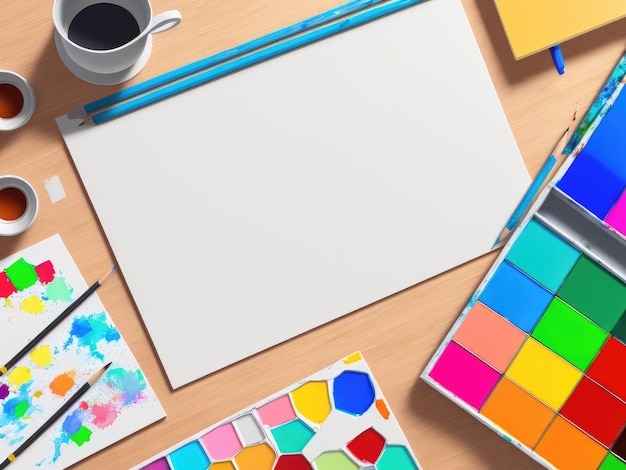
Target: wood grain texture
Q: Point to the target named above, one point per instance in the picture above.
(397, 335)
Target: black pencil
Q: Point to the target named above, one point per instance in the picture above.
(66, 406)
(70, 308)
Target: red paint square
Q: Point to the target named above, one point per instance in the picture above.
(45, 271)
(608, 368)
(595, 411)
(6, 286)
(367, 446)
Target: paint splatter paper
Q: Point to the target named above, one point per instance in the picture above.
(336, 419)
(539, 352)
(37, 284)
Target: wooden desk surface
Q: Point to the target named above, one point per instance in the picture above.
(397, 335)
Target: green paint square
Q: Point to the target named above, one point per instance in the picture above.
(595, 292)
(292, 437)
(543, 255)
(569, 334)
(22, 274)
(612, 463)
(620, 329)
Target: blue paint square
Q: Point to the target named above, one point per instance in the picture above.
(516, 297)
(608, 141)
(190, 457)
(592, 183)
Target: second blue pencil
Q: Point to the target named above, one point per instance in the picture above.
(532, 191)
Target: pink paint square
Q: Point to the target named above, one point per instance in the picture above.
(616, 217)
(464, 375)
(277, 412)
(222, 443)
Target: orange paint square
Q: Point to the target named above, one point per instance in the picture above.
(517, 413)
(490, 336)
(568, 448)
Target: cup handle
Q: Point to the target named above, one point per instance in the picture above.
(164, 21)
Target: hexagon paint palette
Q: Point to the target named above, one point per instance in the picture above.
(539, 352)
(336, 419)
(36, 285)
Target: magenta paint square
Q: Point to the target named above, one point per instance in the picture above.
(160, 464)
(616, 217)
(464, 375)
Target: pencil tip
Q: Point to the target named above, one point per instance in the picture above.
(77, 113)
(95, 377)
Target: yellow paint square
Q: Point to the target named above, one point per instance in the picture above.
(535, 25)
(543, 373)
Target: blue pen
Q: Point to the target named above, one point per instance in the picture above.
(532, 191)
(557, 58)
(255, 57)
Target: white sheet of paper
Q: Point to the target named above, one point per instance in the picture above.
(252, 209)
(36, 285)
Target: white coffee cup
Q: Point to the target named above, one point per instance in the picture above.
(120, 58)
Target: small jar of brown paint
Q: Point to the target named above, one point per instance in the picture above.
(17, 100)
(18, 205)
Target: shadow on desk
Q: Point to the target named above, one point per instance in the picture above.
(461, 431)
(57, 91)
(517, 71)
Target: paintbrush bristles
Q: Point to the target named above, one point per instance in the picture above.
(108, 273)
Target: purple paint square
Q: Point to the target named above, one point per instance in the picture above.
(160, 464)
(464, 375)
(617, 216)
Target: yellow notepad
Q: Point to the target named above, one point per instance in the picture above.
(534, 25)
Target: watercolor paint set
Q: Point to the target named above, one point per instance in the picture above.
(336, 419)
(539, 352)
(36, 285)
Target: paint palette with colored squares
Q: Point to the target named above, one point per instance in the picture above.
(539, 353)
(336, 419)
(36, 284)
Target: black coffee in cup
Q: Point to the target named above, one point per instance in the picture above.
(103, 26)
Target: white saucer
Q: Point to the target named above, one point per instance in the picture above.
(102, 78)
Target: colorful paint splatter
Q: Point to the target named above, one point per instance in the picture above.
(600, 107)
(35, 286)
(334, 420)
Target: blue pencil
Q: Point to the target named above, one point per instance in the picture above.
(532, 191)
(199, 65)
(247, 60)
